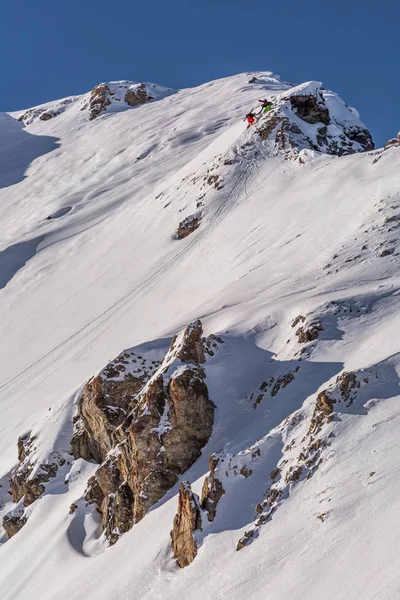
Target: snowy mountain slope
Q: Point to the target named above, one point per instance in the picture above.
(283, 232)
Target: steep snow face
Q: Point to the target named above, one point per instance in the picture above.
(292, 263)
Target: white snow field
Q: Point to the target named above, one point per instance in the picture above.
(279, 237)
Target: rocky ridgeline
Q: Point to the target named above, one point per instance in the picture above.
(146, 429)
(308, 117)
(302, 458)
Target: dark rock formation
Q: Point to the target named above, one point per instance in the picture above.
(24, 484)
(309, 333)
(99, 100)
(28, 479)
(106, 402)
(171, 420)
(245, 539)
(272, 386)
(12, 524)
(46, 116)
(187, 520)
(138, 95)
(212, 490)
(310, 108)
(187, 226)
(293, 474)
(323, 412)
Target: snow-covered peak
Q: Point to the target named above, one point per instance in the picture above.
(309, 117)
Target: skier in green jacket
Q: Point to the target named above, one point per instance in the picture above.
(266, 106)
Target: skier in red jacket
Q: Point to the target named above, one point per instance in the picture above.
(251, 118)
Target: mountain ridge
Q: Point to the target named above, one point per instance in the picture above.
(289, 257)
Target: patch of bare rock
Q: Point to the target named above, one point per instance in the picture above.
(187, 226)
(191, 514)
(284, 125)
(153, 434)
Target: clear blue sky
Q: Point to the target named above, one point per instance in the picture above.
(53, 49)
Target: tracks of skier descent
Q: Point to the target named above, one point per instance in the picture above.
(117, 309)
(222, 210)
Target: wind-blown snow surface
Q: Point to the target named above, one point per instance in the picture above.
(278, 239)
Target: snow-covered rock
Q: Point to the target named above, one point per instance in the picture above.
(310, 117)
(118, 94)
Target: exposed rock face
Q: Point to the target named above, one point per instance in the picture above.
(310, 108)
(106, 402)
(133, 97)
(160, 439)
(12, 524)
(323, 412)
(308, 117)
(393, 143)
(99, 100)
(309, 333)
(212, 490)
(119, 93)
(187, 226)
(28, 479)
(29, 487)
(245, 539)
(272, 386)
(46, 116)
(186, 521)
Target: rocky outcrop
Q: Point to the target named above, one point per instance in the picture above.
(309, 118)
(304, 456)
(245, 539)
(310, 108)
(39, 113)
(119, 93)
(309, 333)
(171, 420)
(46, 116)
(187, 520)
(27, 481)
(137, 95)
(393, 143)
(187, 226)
(24, 484)
(212, 490)
(12, 524)
(191, 511)
(99, 100)
(272, 386)
(106, 402)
